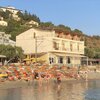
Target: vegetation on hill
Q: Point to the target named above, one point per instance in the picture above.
(14, 28)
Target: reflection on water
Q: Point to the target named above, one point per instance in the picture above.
(53, 91)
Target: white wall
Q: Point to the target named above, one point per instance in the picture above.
(27, 45)
(3, 23)
(27, 42)
(44, 45)
(45, 42)
(68, 46)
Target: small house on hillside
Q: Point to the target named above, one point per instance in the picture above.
(32, 22)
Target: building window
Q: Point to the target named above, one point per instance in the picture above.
(68, 60)
(60, 60)
(56, 45)
(51, 60)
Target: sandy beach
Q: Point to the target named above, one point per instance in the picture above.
(22, 83)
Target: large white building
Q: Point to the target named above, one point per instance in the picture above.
(5, 39)
(13, 11)
(51, 47)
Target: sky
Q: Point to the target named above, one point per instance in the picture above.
(76, 14)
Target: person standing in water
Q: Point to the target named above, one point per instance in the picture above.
(86, 76)
(58, 78)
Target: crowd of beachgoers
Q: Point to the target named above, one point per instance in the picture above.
(41, 73)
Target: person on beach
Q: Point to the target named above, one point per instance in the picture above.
(47, 77)
(86, 76)
(58, 78)
(36, 75)
(39, 78)
(77, 76)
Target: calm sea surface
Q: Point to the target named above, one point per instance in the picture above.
(51, 91)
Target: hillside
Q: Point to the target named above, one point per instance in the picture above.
(22, 23)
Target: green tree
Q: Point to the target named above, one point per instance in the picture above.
(46, 25)
(97, 55)
(15, 28)
(19, 52)
(89, 52)
(11, 52)
(8, 51)
(63, 28)
(6, 14)
(35, 18)
(20, 14)
(78, 32)
(2, 28)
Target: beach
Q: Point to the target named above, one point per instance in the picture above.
(22, 83)
(23, 75)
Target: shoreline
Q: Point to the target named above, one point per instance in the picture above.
(19, 76)
(23, 83)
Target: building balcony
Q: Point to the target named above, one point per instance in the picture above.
(68, 50)
(68, 46)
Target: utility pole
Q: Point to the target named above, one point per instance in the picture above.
(35, 47)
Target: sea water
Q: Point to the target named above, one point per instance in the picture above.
(67, 90)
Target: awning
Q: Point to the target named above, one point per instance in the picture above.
(68, 55)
